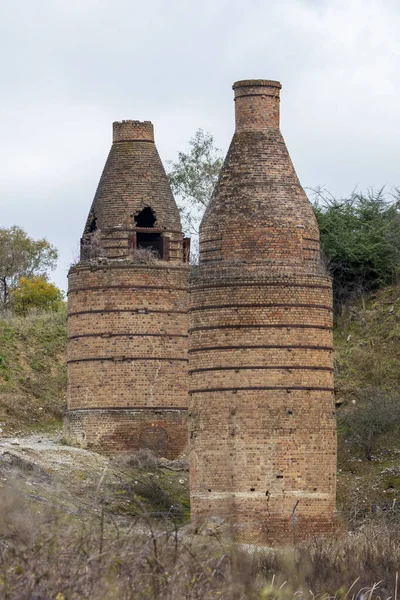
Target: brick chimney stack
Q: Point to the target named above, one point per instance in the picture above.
(256, 104)
(133, 131)
(127, 308)
(262, 424)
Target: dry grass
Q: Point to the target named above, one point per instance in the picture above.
(92, 247)
(144, 255)
(142, 459)
(367, 338)
(48, 555)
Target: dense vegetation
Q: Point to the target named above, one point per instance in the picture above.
(360, 239)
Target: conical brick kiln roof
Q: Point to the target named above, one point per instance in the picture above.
(133, 179)
(259, 208)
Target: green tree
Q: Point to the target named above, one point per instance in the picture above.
(193, 177)
(21, 256)
(35, 292)
(360, 238)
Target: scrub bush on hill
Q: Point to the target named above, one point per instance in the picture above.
(376, 414)
(360, 238)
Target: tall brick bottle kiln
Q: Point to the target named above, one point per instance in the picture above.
(261, 411)
(127, 307)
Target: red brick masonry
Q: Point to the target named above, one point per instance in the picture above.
(261, 413)
(127, 315)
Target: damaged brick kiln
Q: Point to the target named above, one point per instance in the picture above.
(262, 426)
(127, 308)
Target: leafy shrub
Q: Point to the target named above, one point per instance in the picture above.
(38, 293)
(21, 256)
(360, 238)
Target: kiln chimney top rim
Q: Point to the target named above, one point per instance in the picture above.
(268, 83)
(132, 121)
(129, 130)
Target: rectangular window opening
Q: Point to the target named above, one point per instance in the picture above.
(151, 241)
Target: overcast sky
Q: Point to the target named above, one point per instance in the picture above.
(71, 67)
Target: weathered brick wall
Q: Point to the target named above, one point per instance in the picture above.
(262, 426)
(257, 105)
(122, 429)
(133, 131)
(127, 350)
(141, 361)
(127, 320)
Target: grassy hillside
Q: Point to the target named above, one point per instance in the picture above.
(367, 344)
(367, 366)
(32, 371)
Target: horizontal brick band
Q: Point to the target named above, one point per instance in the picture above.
(309, 239)
(147, 141)
(123, 248)
(270, 387)
(118, 359)
(209, 240)
(210, 250)
(274, 367)
(133, 229)
(272, 346)
(133, 408)
(127, 310)
(260, 326)
(235, 284)
(87, 288)
(114, 239)
(128, 264)
(129, 335)
(252, 95)
(260, 305)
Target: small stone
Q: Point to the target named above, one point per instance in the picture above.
(15, 442)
